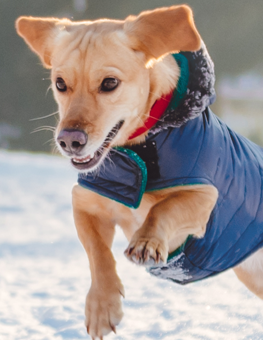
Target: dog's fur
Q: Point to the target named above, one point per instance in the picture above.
(136, 52)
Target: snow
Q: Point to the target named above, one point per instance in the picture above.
(44, 272)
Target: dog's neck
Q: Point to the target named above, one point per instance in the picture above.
(198, 95)
(157, 110)
(164, 75)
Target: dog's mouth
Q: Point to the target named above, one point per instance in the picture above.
(92, 160)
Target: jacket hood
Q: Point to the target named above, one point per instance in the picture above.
(199, 92)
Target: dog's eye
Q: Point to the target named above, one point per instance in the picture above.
(61, 85)
(109, 84)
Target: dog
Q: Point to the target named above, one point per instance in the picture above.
(134, 120)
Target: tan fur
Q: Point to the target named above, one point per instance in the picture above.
(250, 272)
(38, 33)
(163, 31)
(163, 221)
(110, 52)
(134, 51)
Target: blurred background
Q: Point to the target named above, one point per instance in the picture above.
(231, 29)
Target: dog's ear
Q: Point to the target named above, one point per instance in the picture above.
(39, 34)
(162, 31)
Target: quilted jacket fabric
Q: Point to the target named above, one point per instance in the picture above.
(196, 148)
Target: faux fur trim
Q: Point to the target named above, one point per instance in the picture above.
(200, 92)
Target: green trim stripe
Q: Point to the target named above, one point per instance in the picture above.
(181, 88)
(179, 250)
(143, 169)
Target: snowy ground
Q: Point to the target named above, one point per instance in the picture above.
(44, 273)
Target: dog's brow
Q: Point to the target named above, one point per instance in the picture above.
(71, 43)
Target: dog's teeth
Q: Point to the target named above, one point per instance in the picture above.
(84, 160)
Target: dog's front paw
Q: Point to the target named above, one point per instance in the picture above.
(147, 249)
(103, 311)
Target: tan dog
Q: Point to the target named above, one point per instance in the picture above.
(106, 75)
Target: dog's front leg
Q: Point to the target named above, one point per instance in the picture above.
(170, 221)
(95, 230)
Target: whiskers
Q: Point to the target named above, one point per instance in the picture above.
(43, 117)
(44, 128)
(50, 141)
(49, 88)
(54, 146)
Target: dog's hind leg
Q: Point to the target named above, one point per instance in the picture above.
(250, 272)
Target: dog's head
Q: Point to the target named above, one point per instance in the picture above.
(106, 74)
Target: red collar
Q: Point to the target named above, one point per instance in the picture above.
(157, 110)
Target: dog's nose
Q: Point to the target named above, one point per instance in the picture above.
(72, 140)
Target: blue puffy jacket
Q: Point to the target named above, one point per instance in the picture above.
(205, 151)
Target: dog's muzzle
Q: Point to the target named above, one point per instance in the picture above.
(73, 142)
